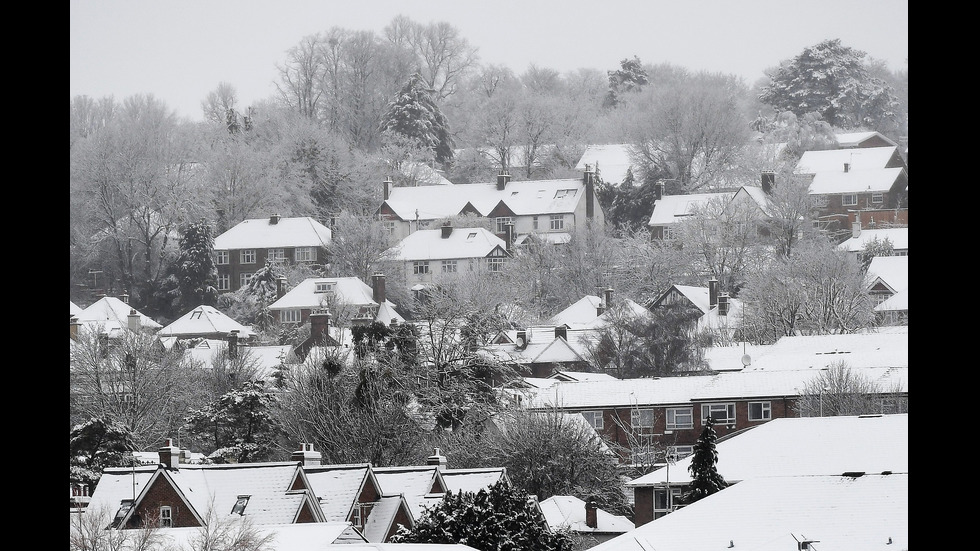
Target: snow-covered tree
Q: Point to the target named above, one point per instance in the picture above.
(833, 80)
(192, 278)
(705, 479)
(413, 113)
(96, 444)
(240, 424)
(630, 77)
(501, 518)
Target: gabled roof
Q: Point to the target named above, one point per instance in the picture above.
(346, 290)
(843, 513)
(262, 233)
(381, 521)
(816, 352)
(855, 181)
(311, 536)
(473, 480)
(833, 160)
(612, 160)
(855, 139)
(338, 487)
(581, 376)
(672, 209)
(204, 321)
(899, 238)
(462, 243)
(892, 271)
(871, 444)
(755, 195)
(414, 483)
(113, 313)
(74, 309)
(584, 310)
(895, 303)
(569, 512)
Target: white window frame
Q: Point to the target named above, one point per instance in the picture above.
(166, 517)
(534, 223)
(420, 267)
(222, 258)
(660, 501)
(240, 504)
(676, 418)
(556, 222)
(495, 265)
(304, 254)
(244, 277)
(765, 411)
(819, 200)
(680, 452)
(877, 198)
(246, 256)
(291, 315)
(668, 233)
(849, 200)
(637, 418)
(389, 226)
(502, 222)
(224, 282)
(276, 255)
(728, 408)
(594, 418)
(450, 266)
(323, 287)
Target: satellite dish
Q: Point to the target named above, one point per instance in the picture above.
(746, 360)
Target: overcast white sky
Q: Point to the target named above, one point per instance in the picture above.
(179, 50)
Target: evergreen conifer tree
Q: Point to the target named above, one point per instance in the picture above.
(705, 479)
(413, 114)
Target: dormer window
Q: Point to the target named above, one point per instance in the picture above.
(239, 507)
(124, 508)
(564, 193)
(324, 287)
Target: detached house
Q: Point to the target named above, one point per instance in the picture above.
(250, 245)
(432, 256)
(552, 210)
(670, 210)
(348, 299)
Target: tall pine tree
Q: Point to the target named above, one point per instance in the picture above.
(705, 479)
(413, 114)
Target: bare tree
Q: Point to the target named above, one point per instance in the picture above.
(301, 76)
(841, 390)
(444, 57)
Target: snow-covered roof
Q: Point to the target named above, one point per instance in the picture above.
(581, 376)
(472, 480)
(899, 238)
(308, 536)
(584, 310)
(855, 139)
(612, 160)
(855, 181)
(112, 312)
(461, 243)
(337, 487)
(893, 271)
(895, 303)
(569, 512)
(381, 520)
(833, 160)
(816, 352)
(414, 483)
(671, 209)
(204, 321)
(830, 445)
(263, 233)
(843, 513)
(74, 309)
(524, 197)
(350, 291)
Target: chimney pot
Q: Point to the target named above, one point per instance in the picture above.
(387, 187)
(170, 455)
(712, 292)
(274, 219)
(502, 179)
(437, 459)
(233, 344)
(306, 455)
(447, 230)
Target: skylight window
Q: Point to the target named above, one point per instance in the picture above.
(471, 236)
(239, 507)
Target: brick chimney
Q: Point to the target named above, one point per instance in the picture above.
(712, 292)
(608, 298)
(386, 187)
(319, 325)
(768, 181)
(437, 459)
(447, 230)
(723, 304)
(510, 236)
(73, 325)
(233, 344)
(378, 288)
(660, 190)
(133, 320)
(170, 455)
(274, 219)
(306, 455)
(590, 514)
(589, 181)
(502, 179)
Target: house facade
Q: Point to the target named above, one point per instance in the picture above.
(433, 256)
(254, 243)
(348, 300)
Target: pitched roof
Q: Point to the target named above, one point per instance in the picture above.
(671, 209)
(338, 486)
(414, 483)
(460, 244)
(893, 271)
(382, 517)
(262, 233)
(569, 512)
(816, 352)
(854, 181)
(74, 309)
(583, 310)
(895, 303)
(612, 160)
(347, 290)
(312, 536)
(204, 321)
(473, 480)
(833, 445)
(113, 313)
(899, 238)
(855, 139)
(866, 513)
(833, 160)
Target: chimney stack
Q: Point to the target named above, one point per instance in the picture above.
(73, 325)
(502, 180)
(712, 292)
(134, 320)
(608, 296)
(274, 219)
(320, 326)
(510, 236)
(589, 180)
(306, 456)
(378, 288)
(590, 514)
(447, 230)
(438, 460)
(233, 344)
(661, 190)
(386, 187)
(124, 297)
(768, 181)
(723, 304)
(170, 455)
(856, 229)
